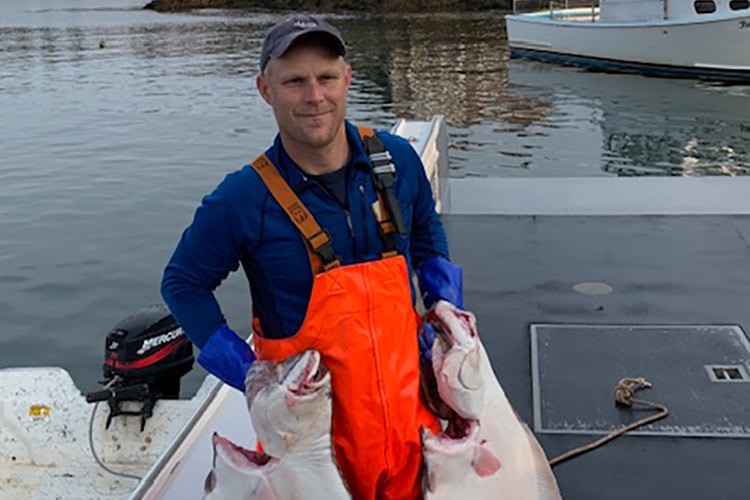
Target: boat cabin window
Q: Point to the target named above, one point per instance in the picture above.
(705, 6)
(739, 4)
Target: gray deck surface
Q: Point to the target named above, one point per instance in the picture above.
(681, 363)
(664, 270)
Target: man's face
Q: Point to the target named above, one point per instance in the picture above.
(307, 90)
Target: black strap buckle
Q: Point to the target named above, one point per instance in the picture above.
(325, 251)
(384, 177)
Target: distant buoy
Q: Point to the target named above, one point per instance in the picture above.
(102, 44)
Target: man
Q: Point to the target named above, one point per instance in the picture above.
(327, 232)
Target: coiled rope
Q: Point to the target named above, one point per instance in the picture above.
(624, 396)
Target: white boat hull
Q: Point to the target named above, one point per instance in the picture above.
(714, 48)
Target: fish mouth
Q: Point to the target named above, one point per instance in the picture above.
(307, 375)
(457, 435)
(461, 428)
(241, 457)
(459, 438)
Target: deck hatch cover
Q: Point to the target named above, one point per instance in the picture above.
(575, 368)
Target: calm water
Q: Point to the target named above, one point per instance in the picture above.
(104, 153)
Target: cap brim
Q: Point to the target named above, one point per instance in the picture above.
(282, 46)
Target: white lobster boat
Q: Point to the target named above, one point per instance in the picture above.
(706, 39)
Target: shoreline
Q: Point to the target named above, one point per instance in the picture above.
(385, 6)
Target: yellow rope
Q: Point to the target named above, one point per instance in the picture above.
(624, 396)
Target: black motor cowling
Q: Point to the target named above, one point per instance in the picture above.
(145, 356)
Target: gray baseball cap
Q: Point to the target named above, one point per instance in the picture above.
(281, 36)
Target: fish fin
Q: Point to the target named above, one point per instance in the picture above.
(548, 488)
(485, 462)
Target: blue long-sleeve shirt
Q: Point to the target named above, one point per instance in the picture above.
(240, 223)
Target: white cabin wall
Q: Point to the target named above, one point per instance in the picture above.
(624, 11)
(685, 9)
(680, 9)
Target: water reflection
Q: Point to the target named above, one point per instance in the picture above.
(531, 120)
(416, 66)
(451, 64)
(652, 126)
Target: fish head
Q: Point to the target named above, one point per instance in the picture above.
(456, 359)
(290, 402)
(237, 472)
(455, 458)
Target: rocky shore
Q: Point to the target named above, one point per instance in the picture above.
(331, 5)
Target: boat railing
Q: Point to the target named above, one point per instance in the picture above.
(562, 10)
(574, 10)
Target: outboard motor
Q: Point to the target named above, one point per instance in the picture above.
(145, 356)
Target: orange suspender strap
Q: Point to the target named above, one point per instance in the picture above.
(380, 209)
(319, 246)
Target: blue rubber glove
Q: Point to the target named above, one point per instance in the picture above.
(426, 337)
(227, 356)
(440, 279)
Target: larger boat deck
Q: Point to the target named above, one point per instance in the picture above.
(638, 290)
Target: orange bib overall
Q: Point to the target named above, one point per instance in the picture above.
(361, 319)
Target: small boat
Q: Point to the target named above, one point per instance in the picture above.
(704, 39)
